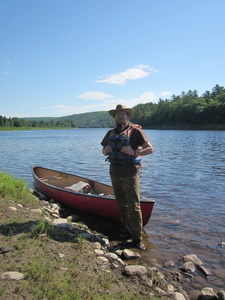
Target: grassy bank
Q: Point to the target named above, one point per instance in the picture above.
(56, 264)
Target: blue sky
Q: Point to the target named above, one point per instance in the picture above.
(63, 57)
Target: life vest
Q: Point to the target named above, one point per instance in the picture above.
(117, 141)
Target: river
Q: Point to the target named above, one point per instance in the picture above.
(185, 176)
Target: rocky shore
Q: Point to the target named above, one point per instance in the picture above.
(168, 282)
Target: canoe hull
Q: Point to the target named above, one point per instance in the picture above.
(51, 182)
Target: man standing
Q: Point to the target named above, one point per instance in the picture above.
(124, 145)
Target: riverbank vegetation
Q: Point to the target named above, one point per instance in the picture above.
(21, 124)
(185, 111)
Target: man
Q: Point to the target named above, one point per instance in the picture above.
(124, 145)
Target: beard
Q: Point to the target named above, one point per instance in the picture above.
(121, 126)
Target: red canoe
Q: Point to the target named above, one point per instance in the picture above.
(83, 194)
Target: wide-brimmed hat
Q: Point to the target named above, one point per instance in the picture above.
(121, 107)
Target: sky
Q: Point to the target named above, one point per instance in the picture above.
(64, 57)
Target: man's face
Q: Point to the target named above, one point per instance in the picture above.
(121, 117)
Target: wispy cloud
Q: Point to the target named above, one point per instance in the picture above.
(165, 94)
(95, 96)
(134, 73)
(5, 73)
(103, 105)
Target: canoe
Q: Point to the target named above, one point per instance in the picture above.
(83, 194)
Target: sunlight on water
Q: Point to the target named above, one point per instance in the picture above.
(185, 176)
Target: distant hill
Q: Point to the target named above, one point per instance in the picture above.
(98, 119)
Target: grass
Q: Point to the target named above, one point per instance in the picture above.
(15, 189)
(57, 264)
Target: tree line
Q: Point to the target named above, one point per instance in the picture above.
(185, 111)
(24, 123)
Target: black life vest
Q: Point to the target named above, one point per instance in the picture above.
(117, 141)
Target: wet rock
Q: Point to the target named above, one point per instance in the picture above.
(193, 258)
(188, 267)
(128, 254)
(135, 270)
(169, 263)
(204, 270)
(12, 276)
(208, 294)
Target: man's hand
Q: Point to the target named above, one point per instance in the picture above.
(127, 150)
(106, 150)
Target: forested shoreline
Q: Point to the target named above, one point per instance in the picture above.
(186, 111)
(23, 123)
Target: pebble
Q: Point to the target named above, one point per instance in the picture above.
(13, 208)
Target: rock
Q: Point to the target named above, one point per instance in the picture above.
(36, 211)
(96, 245)
(111, 256)
(169, 263)
(178, 296)
(193, 258)
(208, 293)
(4, 250)
(12, 276)
(59, 221)
(188, 267)
(170, 288)
(65, 225)
(128, 254)
(135, 270)
(221, 295)
(205, 270)
(103, 259)
(99, 252)
(194, 294)
(13, 208)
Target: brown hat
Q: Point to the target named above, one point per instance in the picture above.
(121, 107)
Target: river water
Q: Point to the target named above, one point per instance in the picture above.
(185, 176)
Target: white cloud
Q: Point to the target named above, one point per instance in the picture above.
(164, 94)
(5, 73)
(95, 96)
(134, 73)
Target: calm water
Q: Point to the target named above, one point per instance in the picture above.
(185, 176)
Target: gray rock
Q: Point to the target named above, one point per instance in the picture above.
(188, 267)
(12, 276)
(111, 256)
(135, 270)
(205, 270)
(178, 296)
(193, 258)
(208, 293)
(128, 254)
(99, 252)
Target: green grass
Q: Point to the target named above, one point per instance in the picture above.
(14, 189)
